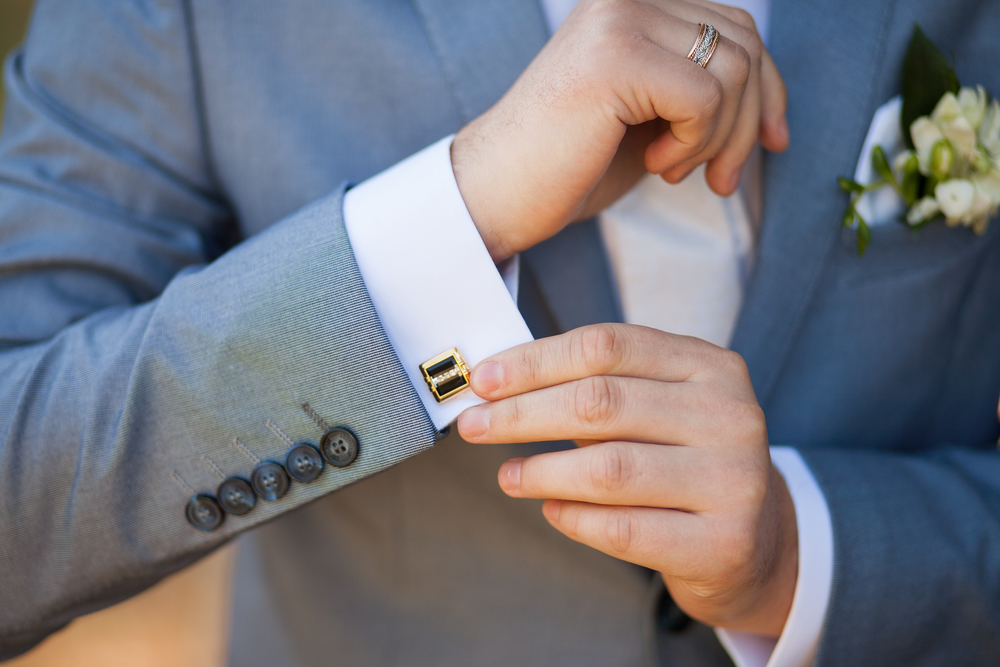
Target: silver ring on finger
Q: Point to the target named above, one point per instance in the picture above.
(705, 45)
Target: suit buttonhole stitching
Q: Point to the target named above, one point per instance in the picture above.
(319, 421)
(176, 476)
(245, 451)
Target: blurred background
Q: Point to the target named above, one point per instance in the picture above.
(13, 21)
(181, 622)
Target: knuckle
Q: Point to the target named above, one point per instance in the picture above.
(737, 544)
(529, 364)
(712, 97)
(601, 348)
(594, 401)
(506, 416)
(750, 41)
(741, 64)
(620, 530)
(612, 468)
(742, 17)
(733, 364)
(745, 421)
(608, 21)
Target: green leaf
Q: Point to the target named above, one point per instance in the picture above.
(864, 236)
(880, 163)
(848, 216)
(911, 188)
(847, 185)
(927, 75)
(911, 180)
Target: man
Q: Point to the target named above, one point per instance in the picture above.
(174, 127)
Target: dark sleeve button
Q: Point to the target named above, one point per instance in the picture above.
(203, 512)
(236, 496)
(270, 480)
(303, 463)
(339, 447)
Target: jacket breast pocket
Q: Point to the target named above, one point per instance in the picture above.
(898, 254)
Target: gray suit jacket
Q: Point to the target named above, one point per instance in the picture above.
(174, 273)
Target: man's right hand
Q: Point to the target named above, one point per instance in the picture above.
(612, 95)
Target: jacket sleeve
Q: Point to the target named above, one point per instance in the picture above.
(139, 367)
(916, 542)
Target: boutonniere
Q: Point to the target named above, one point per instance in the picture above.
(950, 167)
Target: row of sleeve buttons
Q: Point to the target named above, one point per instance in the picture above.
(270, 480)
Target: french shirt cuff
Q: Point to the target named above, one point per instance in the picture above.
(429, 275)
(796, 647)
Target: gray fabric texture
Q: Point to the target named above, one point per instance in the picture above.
(174, 273)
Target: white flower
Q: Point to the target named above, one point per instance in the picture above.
(987, 200)
(955, 197)
(925, 209)
(989, 130)
(925, 134)
(990, 184)
(972, 101)
(953, 124)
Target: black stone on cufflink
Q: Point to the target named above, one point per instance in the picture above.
(446, 374)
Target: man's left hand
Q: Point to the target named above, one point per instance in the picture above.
(680, 479)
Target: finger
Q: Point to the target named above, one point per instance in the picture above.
(738, 133)
(673, 150)
(774, 134)
(617, 473)
(669, 541)
(613, 408)
(733, 63)
(690, 98)
(724, 170)
(774, 126)
(600, 349)
(674, 32)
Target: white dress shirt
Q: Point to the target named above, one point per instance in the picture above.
(681, 256)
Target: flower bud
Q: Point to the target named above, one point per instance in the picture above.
(980, 161)
(942, 159)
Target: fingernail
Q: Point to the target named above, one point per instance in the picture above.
(783, 128)
(474, 422)
(487, 378)
(510, 475)
(551, 510)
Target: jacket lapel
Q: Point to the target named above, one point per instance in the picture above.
(574, 276)
(483, 45)
(833, 92)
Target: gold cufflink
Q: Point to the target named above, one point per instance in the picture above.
(446, 374)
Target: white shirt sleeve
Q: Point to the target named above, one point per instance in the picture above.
(797, 645)
(430, 277)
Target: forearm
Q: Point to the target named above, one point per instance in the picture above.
(110, 426)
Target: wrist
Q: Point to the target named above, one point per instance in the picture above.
(769, 613)
(469, 176)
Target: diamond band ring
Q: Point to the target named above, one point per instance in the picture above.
(704, 45)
